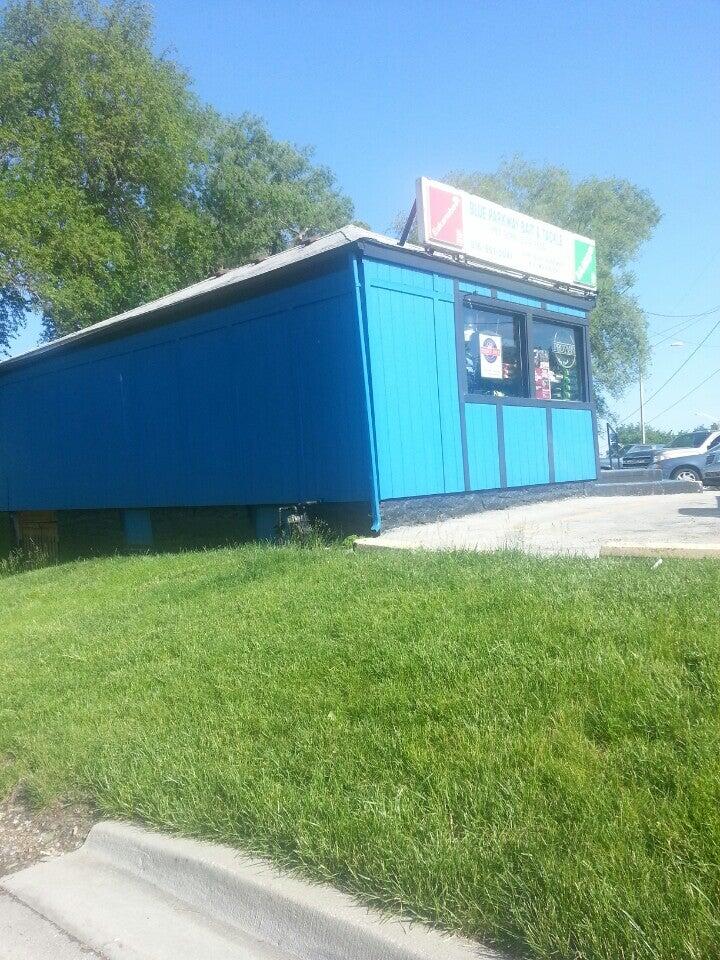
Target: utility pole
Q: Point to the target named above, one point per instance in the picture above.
(642, 406)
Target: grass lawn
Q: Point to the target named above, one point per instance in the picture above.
(525, 750)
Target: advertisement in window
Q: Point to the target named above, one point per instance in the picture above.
(557, 362)
(493, 351)
(491, 361)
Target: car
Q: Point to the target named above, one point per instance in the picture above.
(684, 458)
(711, 470)
(641, 455)
(613, 458)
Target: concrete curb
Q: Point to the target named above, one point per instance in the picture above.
(691, 551)
(368, 544)
(216, 885)
(646, 488)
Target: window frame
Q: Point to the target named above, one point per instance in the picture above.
(581, 358)
(509, 313)
(529, 315)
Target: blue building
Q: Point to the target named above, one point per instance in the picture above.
(352, 374)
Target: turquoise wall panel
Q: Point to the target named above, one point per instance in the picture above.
(405, 393)
(526, 446)
(413, 378)
(573, 445)
(448, 398)
(482, 291)
(482, 445)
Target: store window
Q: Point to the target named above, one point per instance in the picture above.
(557, 362)
(493, 351)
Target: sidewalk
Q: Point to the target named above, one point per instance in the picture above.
(586, 526)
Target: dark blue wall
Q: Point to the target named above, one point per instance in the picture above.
(262, 401)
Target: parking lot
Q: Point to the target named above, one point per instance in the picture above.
(585, 526)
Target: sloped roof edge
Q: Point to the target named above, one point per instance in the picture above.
(233, 278)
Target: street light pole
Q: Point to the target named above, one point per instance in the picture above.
(642, 406)
(675, 343)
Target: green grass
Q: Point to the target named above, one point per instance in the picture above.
(524, 750)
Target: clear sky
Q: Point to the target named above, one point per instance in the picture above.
(387, 91)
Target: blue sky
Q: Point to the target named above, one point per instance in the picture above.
(387, 91)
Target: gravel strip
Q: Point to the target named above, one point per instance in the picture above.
(28, 835)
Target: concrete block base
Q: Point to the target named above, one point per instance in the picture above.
(435, 508)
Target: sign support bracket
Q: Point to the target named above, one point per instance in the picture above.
(408, 225)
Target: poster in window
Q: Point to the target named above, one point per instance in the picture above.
(491, 362)
(542, 375)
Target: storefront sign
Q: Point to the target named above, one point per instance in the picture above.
(564, 349)
(454, 220)
(491, 362)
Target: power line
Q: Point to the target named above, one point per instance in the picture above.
(682, 365)
(685, 323)
(673, 331)
(701, 273)
(684, 316)
(688, 394)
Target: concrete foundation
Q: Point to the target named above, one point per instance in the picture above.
(434, 509)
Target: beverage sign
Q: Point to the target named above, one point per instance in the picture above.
(564, 349)
(451, 219)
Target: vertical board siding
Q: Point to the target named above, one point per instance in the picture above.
(261, 401)
(405, 390)
(573, 445)
(448, 400)
(482, 444)
(526, 445)
(414, 387)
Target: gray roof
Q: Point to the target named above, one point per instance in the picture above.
(230, 278)
(345, 236)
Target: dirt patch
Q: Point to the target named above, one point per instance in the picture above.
(28, 835)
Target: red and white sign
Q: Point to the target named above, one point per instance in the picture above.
(444, 208)
(491, 362)
(459, 222)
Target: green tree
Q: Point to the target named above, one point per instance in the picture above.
(629, 433)
(262, 194)
(116, 184)
(621, 217)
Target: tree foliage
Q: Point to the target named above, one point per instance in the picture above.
(621, 217)
(116, 184)
(630, 433)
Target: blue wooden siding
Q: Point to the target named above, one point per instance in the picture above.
(416, 405)
(262, 401)
(573, 445)
(278, 399)
(482, 445)
(526, 445)
(413, 377)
